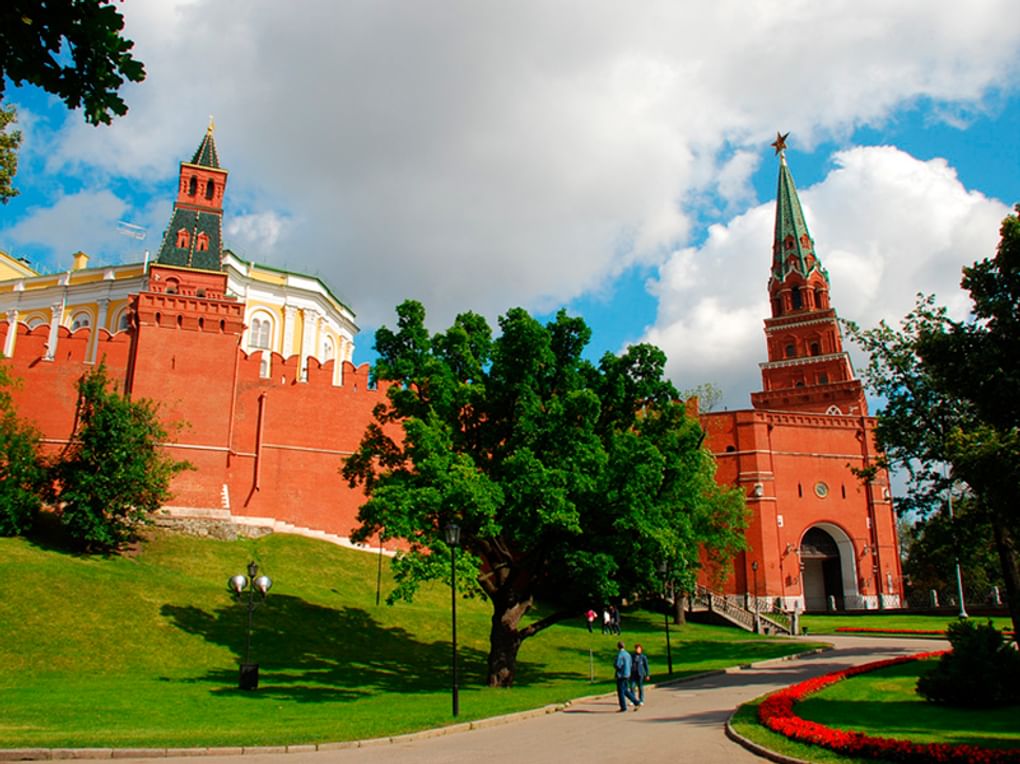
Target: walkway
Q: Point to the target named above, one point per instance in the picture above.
(680, 722)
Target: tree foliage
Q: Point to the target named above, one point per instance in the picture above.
(70, 48)
(571, 482)
(10, 142)
(933, 542)
(114, 473)
(950, 388)
(21, 470)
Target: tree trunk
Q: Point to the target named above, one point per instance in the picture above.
(1004, 543)
(504, 642)
(679, 609)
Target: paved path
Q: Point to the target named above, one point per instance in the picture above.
(680, 722)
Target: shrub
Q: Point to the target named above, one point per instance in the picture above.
(981, 671)
(114, 472)
(21, 471)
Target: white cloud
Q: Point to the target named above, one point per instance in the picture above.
(256, 235)
(85, 221)
(886, 226)
(481, 155)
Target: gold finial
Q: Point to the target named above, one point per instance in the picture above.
(780, 142)
(212, 125)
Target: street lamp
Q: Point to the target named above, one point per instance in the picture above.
(453, 540)
(757, 618)
(664, 570)
(253, 582)
(956, 552)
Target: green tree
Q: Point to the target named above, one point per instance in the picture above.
(950, 390)
(70, 48)
(933, 542)
(113, 474)
(978, 361)
(571, 483)
(10, 141)
(21, 471)
(708, 396)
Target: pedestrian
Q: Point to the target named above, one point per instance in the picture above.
(607, 623)
(624, 666)
(590, 617)
(639, 673)
(614, 620)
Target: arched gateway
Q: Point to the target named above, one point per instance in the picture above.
(826, 568)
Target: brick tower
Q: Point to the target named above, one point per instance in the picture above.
(194, 237)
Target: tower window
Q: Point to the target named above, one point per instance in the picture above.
(798, 299)
(791, 351)
(192, 186)
(183, 239)
(816, 349)
(209, 187)
(202, 242)
(823, 378)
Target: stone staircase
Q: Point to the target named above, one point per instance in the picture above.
(732, 610)
(222, 524)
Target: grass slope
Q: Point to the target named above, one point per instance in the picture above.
(143, 650)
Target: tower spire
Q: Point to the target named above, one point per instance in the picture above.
(807, 370)
(194, 237)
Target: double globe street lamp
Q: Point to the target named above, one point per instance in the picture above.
(254, 584)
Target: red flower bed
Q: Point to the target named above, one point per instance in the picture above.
(776, 712)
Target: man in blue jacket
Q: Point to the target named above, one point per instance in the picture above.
(623, 668)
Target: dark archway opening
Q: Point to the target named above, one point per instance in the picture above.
(822, 571)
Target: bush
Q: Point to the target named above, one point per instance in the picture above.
(114, 472)
(981, 671)
(21, 472)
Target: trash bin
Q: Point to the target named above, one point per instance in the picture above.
(249, 676)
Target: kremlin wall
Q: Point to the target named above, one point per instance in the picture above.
(257, 363)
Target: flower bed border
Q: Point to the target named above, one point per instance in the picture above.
(776, 712)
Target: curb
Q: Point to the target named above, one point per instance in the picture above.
(49, 754)
(759, 750)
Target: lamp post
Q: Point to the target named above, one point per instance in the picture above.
(757, 620)
(664, 570)
(453, 540)
(959, 576)
(253, 582)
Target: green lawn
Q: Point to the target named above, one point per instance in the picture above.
(883, 704)
(827, 624)
(143, 650)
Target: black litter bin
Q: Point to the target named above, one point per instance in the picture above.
(249, 676)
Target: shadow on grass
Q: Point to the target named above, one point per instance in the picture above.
(310, 653)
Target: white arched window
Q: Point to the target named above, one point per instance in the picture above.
(34, 322)
(834, 410)
(260, 337)
(328, 349)
(80, 320)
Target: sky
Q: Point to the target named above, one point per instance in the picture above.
(610, 158)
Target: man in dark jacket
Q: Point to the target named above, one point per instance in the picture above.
(624, 666)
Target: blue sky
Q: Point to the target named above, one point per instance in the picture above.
(607, 158)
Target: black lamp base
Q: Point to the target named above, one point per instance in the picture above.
(249, 679)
